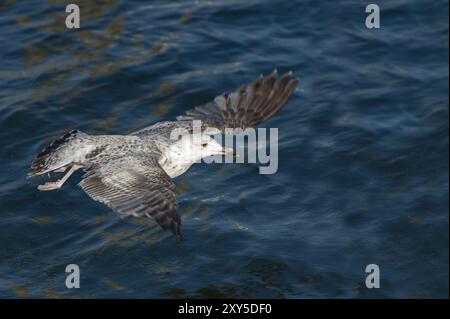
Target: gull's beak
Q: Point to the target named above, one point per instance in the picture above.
(229, 152)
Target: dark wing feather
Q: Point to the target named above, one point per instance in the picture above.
(247, 107)
(136, 186)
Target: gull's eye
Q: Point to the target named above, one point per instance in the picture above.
(204, 144)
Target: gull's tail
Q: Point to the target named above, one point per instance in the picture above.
(58, 154)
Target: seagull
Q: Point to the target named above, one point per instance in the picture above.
(132, 174)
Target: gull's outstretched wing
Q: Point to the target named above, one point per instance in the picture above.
(135, 185)
(247, 107)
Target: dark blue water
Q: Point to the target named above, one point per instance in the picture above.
(363, 173)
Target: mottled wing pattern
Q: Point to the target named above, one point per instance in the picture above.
(247, 107)
(135, 185)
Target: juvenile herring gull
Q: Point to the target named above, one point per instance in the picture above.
(132, 174)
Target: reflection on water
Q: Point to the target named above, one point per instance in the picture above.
(89, 51)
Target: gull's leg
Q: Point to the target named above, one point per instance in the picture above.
(55, 185)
